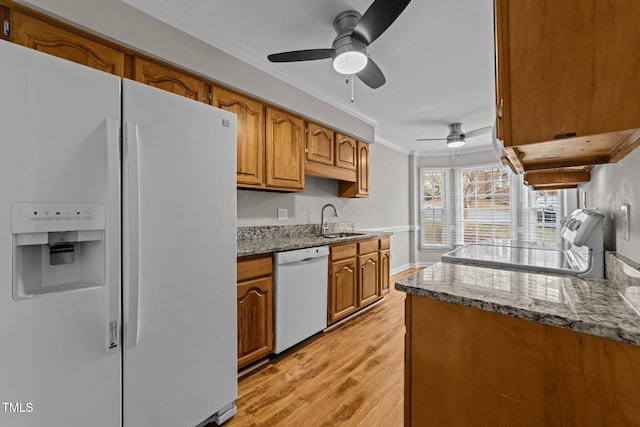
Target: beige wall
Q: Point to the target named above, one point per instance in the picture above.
(386, 208)
(610, 187)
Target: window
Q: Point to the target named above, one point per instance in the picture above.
(484, 208)
(541, 215)
(434, 208)
(487, 203)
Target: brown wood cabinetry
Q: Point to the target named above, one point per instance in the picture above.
(354, 277)
(360, 188)
(250, 141)
(384, 265)
(343, 297)
(567, 84)
(320, 147)
(48, 38)
(255, 308)
(284, 151)
(346, 152)
(329, 154)
(368, 290)
(512, 372)
(170, 79)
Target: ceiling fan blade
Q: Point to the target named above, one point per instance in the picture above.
(375, 21)
(301, 55)
(476, 132)
(431, 139)
(372, 75)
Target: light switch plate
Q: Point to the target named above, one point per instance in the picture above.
(625, 221)
(283, 214)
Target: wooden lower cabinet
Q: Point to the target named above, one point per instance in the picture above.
(343, 298)
(354, 277)
(384, 265)
(469, 367)
(255, 308)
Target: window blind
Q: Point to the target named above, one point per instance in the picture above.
(435, 208)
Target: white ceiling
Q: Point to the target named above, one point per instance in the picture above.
(438, 59)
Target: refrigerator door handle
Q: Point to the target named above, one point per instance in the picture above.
(131, 247)
(113, 237)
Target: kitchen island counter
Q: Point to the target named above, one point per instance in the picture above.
(608, 308)
(495, 347)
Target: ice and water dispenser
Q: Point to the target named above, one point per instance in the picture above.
(57, 247)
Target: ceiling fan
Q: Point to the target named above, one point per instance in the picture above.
(355, 33)
(456, 137)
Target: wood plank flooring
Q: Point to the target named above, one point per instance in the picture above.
(352, 375)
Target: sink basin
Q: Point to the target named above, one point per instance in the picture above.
(345, 234)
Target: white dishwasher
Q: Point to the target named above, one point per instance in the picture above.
(300, 295)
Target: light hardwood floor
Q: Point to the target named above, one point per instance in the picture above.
(352, 375)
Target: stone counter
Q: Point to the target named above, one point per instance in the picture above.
(608, 308)
(269, 239)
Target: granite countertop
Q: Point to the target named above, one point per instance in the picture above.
(262, 240)
(608, 308)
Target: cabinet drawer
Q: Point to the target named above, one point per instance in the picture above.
(254, 266)
(367, 246)
(385, 243)
(343, 251)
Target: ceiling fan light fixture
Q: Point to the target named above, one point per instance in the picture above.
(455, 142)
(350, 58)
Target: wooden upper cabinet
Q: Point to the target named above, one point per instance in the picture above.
(250, 128)
(567, 80)
(284, 151)
(363, 169)
(320, 148)
(360, 188)
(169, 79)
(346, 152)
(45, 37)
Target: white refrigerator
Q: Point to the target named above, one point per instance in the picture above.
(118, 216)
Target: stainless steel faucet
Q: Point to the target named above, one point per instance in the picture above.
(323, 227)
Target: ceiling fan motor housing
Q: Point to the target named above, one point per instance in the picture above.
(344, 25)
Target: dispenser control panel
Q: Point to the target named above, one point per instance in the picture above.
(37, 217)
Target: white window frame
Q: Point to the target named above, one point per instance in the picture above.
(459, 205)
(447, 214)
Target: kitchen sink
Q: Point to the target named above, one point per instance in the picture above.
(345, 234)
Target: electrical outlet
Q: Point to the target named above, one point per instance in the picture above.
(283, 214)
(625, 221)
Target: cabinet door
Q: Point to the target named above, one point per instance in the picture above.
(360, 188)
(367, 279)
(320, 147)
(363, 169)
(342, 289)
(255, 320)
(51, 39)
(284, 151)
(169, 79)
(250, 145)
(346, 152)
(384, 259)
(567, 67)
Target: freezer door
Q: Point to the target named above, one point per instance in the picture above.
(59, 144)
(179, 205)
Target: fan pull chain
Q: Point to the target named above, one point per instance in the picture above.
(350, 77)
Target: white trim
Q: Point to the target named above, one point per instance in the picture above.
(392, 229)
(393, 146)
